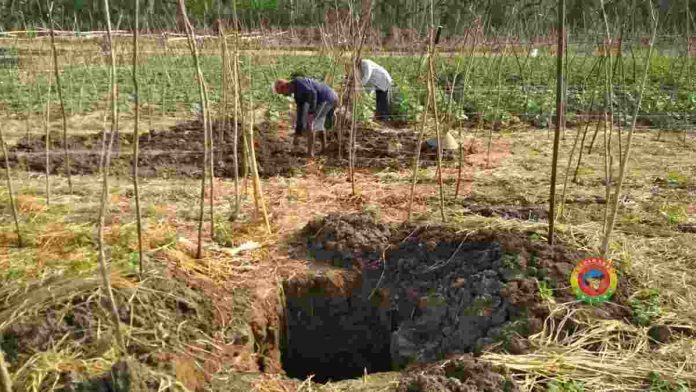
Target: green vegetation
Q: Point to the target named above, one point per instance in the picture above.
(646, 306)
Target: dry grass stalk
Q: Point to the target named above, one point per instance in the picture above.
(62, 108)
(105, 189)
(47, 126)
(5, 380)
(206, 136)
(624, 159)
(136, 141)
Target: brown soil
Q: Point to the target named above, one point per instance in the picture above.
(533, 213)
(463, 374)
(179, 150)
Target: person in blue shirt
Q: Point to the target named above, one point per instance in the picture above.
(315, 102)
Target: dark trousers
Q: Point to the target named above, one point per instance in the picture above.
(382, 105)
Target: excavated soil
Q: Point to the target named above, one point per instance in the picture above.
(463, 374)
(532, 213)
(179, 151)
(415, 295)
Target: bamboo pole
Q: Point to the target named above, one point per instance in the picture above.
(10, 189)
(62, 109)
(624, 159)
(105, 190)
(431, 81)
(608, 117)
(136, 141)
(421, 133)
(559, 116)
(47, 147)
(258, 191)
(204, 109)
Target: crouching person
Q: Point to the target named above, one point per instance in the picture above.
(315, 102)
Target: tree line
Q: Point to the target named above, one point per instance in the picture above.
(514, 17)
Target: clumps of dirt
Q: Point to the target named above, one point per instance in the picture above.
(438, 291)
(381, 149)
(179, 151)
(462, 374)
(126, 375)
(532, 213)
(346, 239)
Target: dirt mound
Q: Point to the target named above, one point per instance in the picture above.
(463, 374)
(346, 239)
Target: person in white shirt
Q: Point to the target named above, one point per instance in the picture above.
(374, 77)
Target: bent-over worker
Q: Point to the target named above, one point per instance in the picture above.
(315, 102)
(374, 77)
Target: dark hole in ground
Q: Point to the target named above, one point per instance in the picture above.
(426, 301)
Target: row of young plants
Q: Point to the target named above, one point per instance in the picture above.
(499, 87)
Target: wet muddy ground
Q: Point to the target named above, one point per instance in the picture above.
(179, 151)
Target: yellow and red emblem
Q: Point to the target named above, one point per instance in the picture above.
(593, 280)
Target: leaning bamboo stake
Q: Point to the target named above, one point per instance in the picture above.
(105, 189)
(570, 162)
(10, 189)
(47, 147)
(62, 108)
(608, 117)
(136, 141)
(258, 191)
(627, 154)
(559, 116)
(431, 81)
(419, 144)
(5, 379)
(229, 77)
(204, 110)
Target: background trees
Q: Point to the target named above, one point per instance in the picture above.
(525, 16)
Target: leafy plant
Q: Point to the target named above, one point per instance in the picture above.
(645, 305)
(565, 386)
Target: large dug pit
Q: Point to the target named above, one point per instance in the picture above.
(424, 300)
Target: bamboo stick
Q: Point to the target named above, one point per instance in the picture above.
(204, 109)
(136, 141)
(559, 116)
(62, 109)
(47, 147)
(105, 191)
(624, 159)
